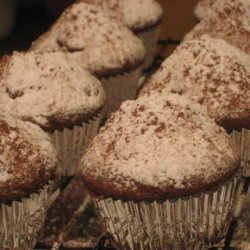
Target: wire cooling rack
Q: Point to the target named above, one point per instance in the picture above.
(78, 225)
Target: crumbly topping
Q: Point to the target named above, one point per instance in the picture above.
(159, 142)
(210, 72)
(229, 20)
(137, 15)
(45, 89)
(93, 39)
(26, 152)
(203, 8)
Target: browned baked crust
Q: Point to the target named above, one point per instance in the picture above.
(156, 148)
(27, 159)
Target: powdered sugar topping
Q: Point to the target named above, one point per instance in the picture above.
(203, 8)
(135, 14)
(162, 142)
(45, 89)
(210, 72)
(229, 20)
(25, 151)
(93, 39)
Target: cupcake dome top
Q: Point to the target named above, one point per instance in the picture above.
(229, 20)
(158, 147)
(27, 159)
(202, 8)
(210, 72)
(45, 89)
(95, 40)
(137, 15)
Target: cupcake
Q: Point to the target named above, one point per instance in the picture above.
(142, 17)
(229, 20)
(215, 74)
(61, 98)
(202, 8)
(27, 167)
(162, 175)
(88, 36)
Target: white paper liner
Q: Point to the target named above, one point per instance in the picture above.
(21, 221)
(120, 88)
(240, 202)
(242, 139)
(150, 39)
(188, 223)
(70, 145)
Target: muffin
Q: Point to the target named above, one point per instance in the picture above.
(161, 174)
(229, 20)
(216, 75)
(203, 8)
(142, 17)
(60, 97)
(27, 167)
(88, 36)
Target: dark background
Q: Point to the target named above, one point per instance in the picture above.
(35, 16)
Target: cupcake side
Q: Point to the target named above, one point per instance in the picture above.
(27, 167)
(140, 189)
(61, 98)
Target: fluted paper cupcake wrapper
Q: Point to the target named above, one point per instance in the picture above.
(120, 88)
(186, 223)
(70, 145)
(150, 39)
(242, 139)
(21, 221)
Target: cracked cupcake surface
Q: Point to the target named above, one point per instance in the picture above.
(45, 89)
(158, 147)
